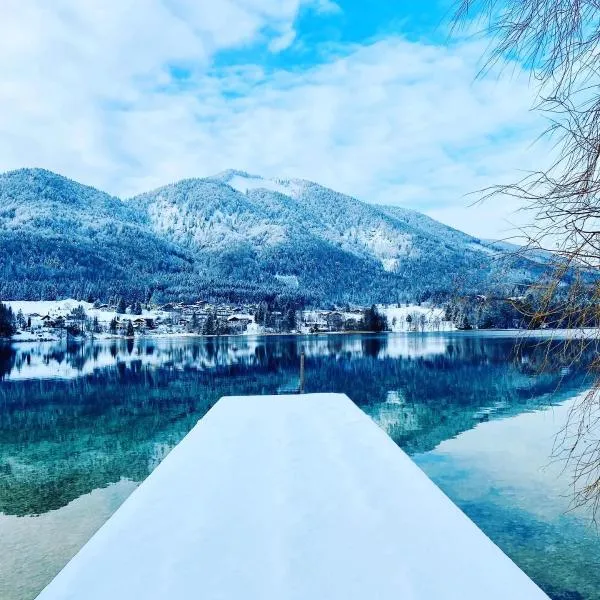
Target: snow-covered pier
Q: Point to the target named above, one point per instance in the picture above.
(289, 497)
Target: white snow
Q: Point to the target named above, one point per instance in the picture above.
(422, 318)
(243, 184)
(45, 307)
(55, 308)
(254, 329)
(289, 497)
(390, 264)
(484, 249)
(39, 336)
(289, 280)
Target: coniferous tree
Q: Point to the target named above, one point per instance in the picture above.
(373, 320)
(270, 320)
(121, 306)
(113, 325)
(290, 321)
(130, 331)
(261, 313)
(210, 325)
(7, 321)
(79, 315)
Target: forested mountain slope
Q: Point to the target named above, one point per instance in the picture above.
(58, 237)
(233, 236)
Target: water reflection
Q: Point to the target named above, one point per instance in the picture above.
(74, 420)
(500, 474)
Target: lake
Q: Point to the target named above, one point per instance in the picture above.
(81, 426)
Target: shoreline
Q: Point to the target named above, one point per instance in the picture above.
(543, 333)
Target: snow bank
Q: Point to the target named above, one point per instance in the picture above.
(420, 318)
(40, 336)
(56, 308)
(244, 183)
(291, 497)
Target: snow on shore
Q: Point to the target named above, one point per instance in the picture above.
(416, 318)
(56, 308)
(291, 497)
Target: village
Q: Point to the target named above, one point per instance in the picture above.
(51, 320)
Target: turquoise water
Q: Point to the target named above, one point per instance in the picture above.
(80, 427)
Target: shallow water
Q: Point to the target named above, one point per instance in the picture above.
(81, 426)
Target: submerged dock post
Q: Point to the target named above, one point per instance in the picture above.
(301, 387)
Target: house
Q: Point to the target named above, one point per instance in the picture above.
(34, 320)
(240, 319)
(238, 323)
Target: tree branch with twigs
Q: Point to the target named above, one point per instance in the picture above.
(558, 42)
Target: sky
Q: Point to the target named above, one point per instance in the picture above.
(374, 99)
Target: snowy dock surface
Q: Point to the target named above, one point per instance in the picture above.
(289, 497)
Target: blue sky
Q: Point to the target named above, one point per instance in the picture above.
(374, 99)
(335, 26)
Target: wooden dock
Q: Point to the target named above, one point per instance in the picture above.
(298, 497)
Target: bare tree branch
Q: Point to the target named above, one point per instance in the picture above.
(558, 41)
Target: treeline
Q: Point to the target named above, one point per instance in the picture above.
(566, 309)
(8, 321)
(47, 266)
(480, 312)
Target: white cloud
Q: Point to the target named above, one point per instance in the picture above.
(284, 41)
(327, 7)
(88, 90)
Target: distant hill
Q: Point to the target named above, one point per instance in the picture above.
(234, 236)
(58, 237)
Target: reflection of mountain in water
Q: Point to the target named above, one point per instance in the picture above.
(76, 419)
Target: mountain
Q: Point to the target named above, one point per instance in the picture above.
(244, 226)
(235, 236)
(58, 237)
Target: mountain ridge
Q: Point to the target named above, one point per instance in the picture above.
(237, 235)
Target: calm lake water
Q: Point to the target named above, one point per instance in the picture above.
(80, 427)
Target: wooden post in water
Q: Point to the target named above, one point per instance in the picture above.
(301, 388)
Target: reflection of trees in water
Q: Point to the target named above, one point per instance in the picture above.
(443, 395)
(62, 438)
(202, 353)
(372, 345)
(68, 437)
(577, 444)
(7, 360)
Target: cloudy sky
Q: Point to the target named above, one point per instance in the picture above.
(374, 99)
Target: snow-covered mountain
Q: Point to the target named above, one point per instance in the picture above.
(233, 234)
(58, 237)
